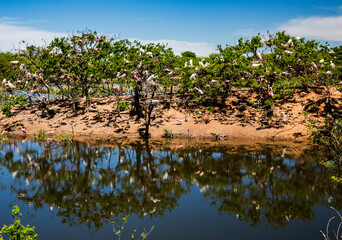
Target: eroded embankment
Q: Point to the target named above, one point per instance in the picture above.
(241, 116)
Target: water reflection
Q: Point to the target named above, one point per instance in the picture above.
(87, 184)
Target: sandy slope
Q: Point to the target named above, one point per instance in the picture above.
(238, 117)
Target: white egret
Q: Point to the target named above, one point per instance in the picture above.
(259, 55)
(193, 76)
(332, 64)
(191, 63)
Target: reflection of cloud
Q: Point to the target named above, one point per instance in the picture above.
(200, 48)
(11, 35)
(320, 28)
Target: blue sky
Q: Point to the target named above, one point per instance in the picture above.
(197, 25)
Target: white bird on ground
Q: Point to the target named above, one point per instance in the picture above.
(321, 61)
(284, 116)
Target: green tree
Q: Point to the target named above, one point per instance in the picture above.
(188, 54)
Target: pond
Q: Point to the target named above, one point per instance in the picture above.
(187, 189)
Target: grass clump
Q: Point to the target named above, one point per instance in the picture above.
(168, 133)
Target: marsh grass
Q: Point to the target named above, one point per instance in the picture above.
(337, 235)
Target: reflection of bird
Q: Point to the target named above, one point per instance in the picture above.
(283, 154)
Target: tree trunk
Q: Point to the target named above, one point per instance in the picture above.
(137, 106)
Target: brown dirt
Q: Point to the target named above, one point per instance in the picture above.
(238, 117)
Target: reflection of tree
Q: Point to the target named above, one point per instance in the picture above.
(261, 186)
(88, 184)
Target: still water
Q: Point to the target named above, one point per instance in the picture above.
(187, 190)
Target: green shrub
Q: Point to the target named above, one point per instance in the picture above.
(7, 101)
(17, 230)
(41, 135)
(168, 133)
(269, 103)
(6, 110)
(122, 106)
(3, 137)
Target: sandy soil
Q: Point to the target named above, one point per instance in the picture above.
(237, 117)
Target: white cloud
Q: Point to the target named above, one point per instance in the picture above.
(11, 35)
(320, 28)
(201, 49)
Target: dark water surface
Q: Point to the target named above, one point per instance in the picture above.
(188, 190)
